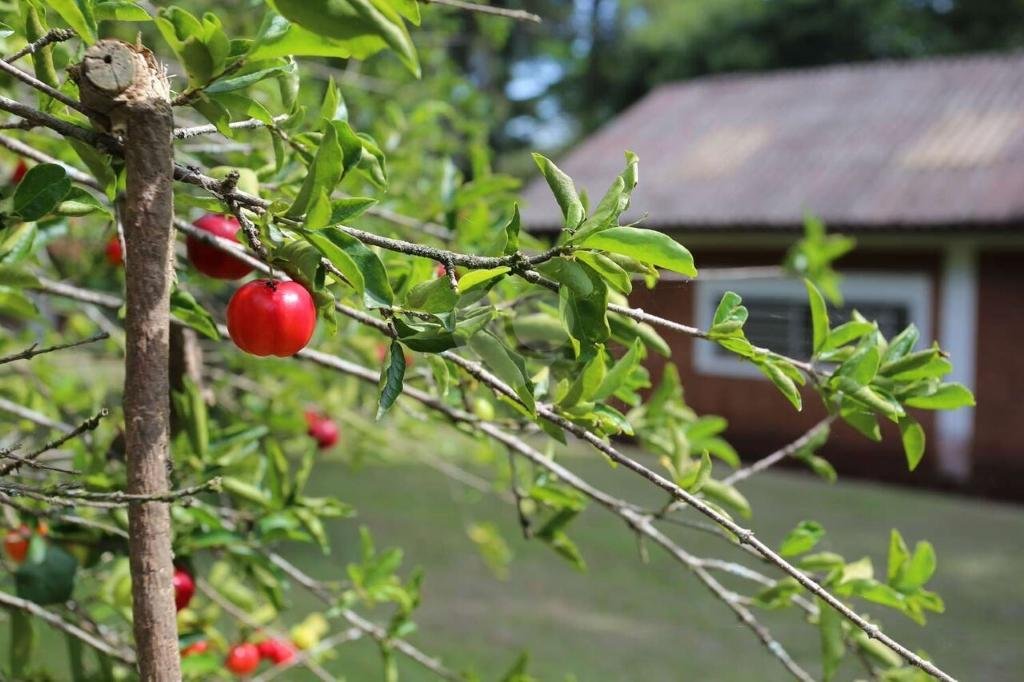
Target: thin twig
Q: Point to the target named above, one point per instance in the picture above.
(37, 418)
(516, 14)
(378, 633)
(780, 454)
(87, 425)
(34, 350)
(22, 149)
(54, 35)
(50, 618)
(209, 128)
(42, 87)
(116, 497)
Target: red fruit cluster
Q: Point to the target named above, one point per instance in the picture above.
(210, 260)
(200, 647)
(16, 543)
(322, 429)
(19, 172)
(184, 588)
(276, 651)
(267, 317)
(114, 253)
(242, 658)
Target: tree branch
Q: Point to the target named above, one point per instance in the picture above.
(34, 350)
(516, 14)
(54, 35)
(209, 128)
(53, 620)
(88, 425)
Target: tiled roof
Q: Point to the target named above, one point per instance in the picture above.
(917, 144)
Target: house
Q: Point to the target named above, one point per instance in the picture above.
(922, 162)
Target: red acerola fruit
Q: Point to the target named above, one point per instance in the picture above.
(115, 256)
(267, 317)
(243, 659)
(200, 647)
(184, 588)
(19, 172)
(276, 651)
(210, 260)
(322, 429)
(16, 543)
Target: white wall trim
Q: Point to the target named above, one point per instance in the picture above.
(914, 289)
(958, 333)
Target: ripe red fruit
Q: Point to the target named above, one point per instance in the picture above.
(19, 172)
(16, 543)
(114, 254)
(200, 647)
(184, 588)
(243, 658)
(267, 317)
(324, 431)
(276, 651)
(210, 260)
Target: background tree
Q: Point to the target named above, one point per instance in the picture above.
(378, 219)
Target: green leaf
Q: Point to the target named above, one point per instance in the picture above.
(23, 636)
(48, 574)
(79, 202)
(361, 266)
(916, 572)
(570, 273)
(861, 420)
(349, 207)
(365, 27)
(945, 397)
(12, 276)
(475, 278)
(647, 246)
(564, 190)
(508, 366)
(898, 554)
(512, 232)
(14, 302)
(40, 191)
(847, 333)
(622, 368)
(120, 10)
(392, 379)
(78, 15)
(726, 495)
(778, 595)
(433, 296)
(185, 308)
(830, 627)
(700, 473)
(801, 539)
(325, 172)
(614, 202)
(912, 435)
(610, 271)
(587, 381)
(782, 381)
(819, 315)
(901, 345)
(586, 317)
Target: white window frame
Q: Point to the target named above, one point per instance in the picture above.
(912, 289)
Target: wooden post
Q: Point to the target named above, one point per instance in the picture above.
(127, 90)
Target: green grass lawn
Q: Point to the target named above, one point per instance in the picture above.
(624, 620)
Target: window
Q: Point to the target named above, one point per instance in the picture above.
(780, 318)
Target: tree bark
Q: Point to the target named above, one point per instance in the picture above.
(128, 91)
